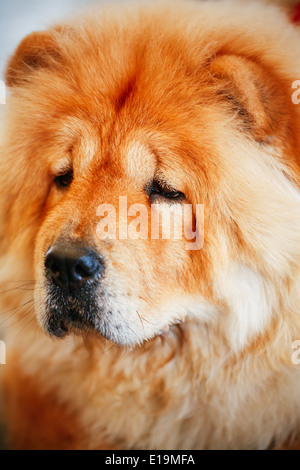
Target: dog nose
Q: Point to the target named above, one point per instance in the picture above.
(70, 267)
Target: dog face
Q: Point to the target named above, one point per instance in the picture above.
(154, 120)
(120, 287)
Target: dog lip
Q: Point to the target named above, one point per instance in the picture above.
(57, 329)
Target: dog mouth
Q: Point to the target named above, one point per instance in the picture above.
(80, 300)
(62, 328)
(66, 315)
(70, 321)
(57, 328)
(74, 322)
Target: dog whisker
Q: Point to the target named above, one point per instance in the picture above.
(141, 321)
(15, 309)
(24, 326)
(24, 287)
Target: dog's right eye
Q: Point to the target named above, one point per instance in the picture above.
(160, 190)
(64, 180)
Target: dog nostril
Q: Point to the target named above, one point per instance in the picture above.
(85, 267)
(70, 267)
(80, 271)
(54, 266)
(53, 263)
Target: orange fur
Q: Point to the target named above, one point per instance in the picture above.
(121, 95)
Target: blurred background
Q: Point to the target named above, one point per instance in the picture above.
(20, 17)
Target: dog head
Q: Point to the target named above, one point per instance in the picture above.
(120, 122)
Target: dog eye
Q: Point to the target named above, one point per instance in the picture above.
(64, 180)
(159, 189)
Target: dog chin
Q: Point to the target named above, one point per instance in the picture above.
(126, 337)
(122, 334)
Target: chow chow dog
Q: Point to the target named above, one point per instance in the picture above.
(124, 340)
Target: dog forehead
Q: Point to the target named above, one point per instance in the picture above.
(85, 150)
(138, 162)
(133, 160)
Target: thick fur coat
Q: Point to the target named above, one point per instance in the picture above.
(189, 348)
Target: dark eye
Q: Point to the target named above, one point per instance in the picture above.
(64, 180)
(161, 190)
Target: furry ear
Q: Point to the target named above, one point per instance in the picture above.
(253, 93)
(37, 50)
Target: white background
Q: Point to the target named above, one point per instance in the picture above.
(20, 17)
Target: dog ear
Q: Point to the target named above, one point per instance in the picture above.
(38, 50)
(253, 94)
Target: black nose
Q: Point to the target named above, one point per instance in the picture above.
(70, 267)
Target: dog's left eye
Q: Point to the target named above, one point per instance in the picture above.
(64, 180)
(159, 189)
